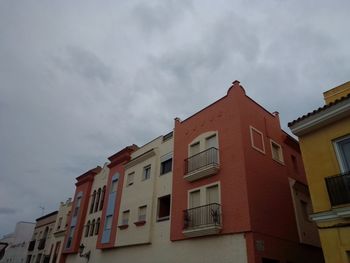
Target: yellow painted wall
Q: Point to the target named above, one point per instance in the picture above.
(336, 93)
(320, 161)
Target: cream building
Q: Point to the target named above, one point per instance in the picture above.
(59, 231)
(143, 233)
(39, 249)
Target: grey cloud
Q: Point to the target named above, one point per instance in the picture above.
(7, 211)
(80, 61)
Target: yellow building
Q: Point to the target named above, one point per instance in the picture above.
(324, 136)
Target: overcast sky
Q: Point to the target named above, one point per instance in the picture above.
(79, 80)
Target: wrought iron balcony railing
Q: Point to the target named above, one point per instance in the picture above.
(31, 245)
(201, 160)
(339, 189)
(202, 216)
(42, 243)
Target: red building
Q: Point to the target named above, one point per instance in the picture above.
(235, 171)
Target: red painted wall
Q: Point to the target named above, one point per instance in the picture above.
(116, 166)
(255, 193)
(84, 183)
(222, 116)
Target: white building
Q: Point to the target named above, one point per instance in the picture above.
(18, 242)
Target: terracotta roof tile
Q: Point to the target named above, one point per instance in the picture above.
(319, 110)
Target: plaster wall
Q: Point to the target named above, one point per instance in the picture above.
(220, 249)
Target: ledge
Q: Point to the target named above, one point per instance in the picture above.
(202, 231)
(123, 226)
(335, 213)
(140, 223)
(206, 171)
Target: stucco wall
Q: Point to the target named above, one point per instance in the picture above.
(219, 249)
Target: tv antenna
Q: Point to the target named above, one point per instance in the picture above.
(42, 209)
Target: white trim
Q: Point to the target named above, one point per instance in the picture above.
(335, 213)
(251, 129)
(281, 160)
(321, 118)
(338, 154)
(202, 189)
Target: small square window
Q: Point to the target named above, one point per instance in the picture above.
(166, 166)
(163, 212)
(146, 172)
(130, 179)
(125, 217)
(276, 151)
(142, 213)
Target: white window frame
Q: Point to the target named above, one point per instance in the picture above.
(130, 182)
(203, 193)
(337, 152)
(251, 130)
(281, 158)
(147, 167)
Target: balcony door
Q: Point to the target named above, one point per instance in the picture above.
(343, 154)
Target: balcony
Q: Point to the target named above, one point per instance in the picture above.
(31, 245)
(202, 164)
(42, 243)
(202, 220)
(339, 189)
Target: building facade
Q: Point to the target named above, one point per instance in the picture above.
(324, 136)
(18, 242)
(40, 249)
(227, 185)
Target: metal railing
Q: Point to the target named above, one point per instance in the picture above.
(201, 160)
(206, 215)
(42, 243)
(31, 245)
(339, 189)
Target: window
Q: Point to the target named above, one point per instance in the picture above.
(257, 140)
(92, 227)
(276, 151)
(87, 229)
(142, 213)
(204, 196)
(70, 237)
(77, 206)
(125, 217)
(130, 179)
(342, 147)
(97, 228)
(92, 202)
(195, 199)
(108, 224)
(194, 148)
(212, 194)
(103, 197)
(146, 172)
(166, 166)
(211, 142)
(163, 212)
(98, 199)
(114, 186)
(59, 223)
